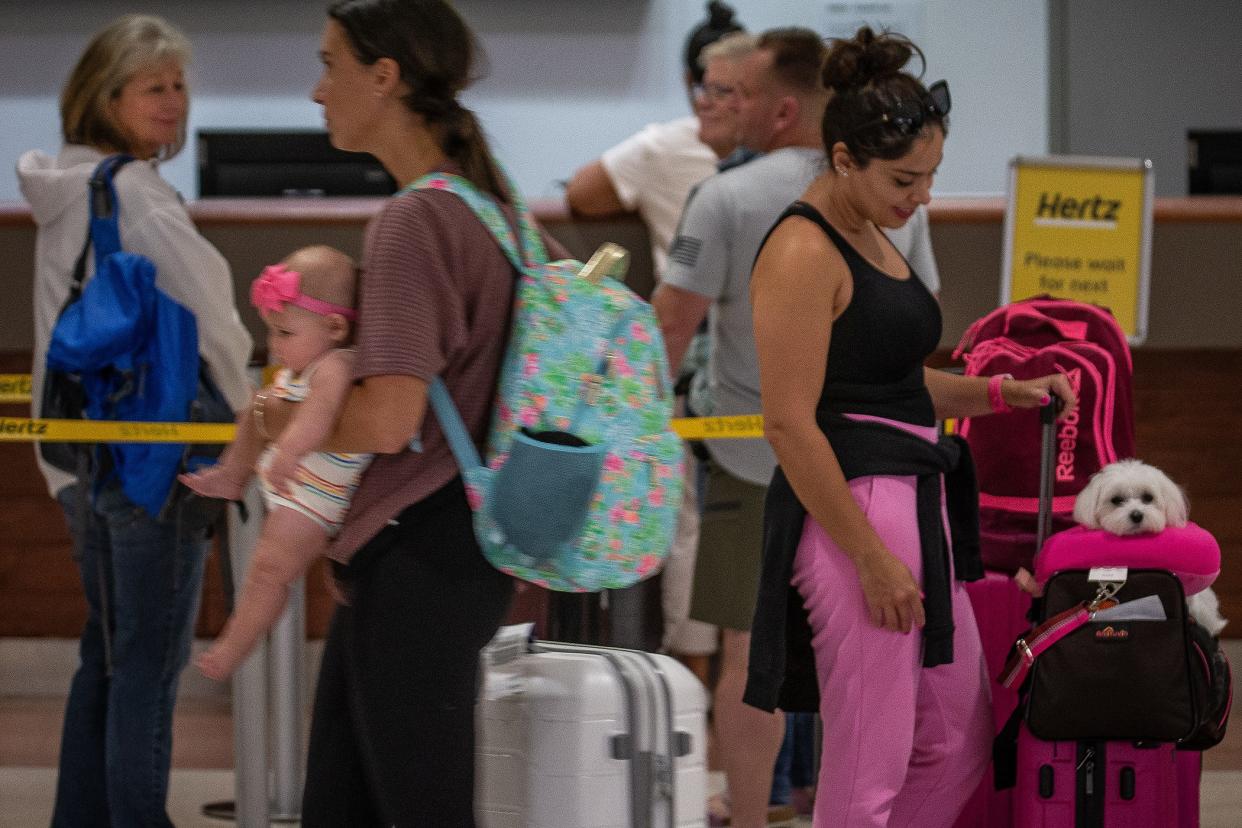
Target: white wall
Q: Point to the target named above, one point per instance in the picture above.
(1137, 88)
(566, 78)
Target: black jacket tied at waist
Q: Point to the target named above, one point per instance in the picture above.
(782, 663)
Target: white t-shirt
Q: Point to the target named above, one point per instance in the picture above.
(153, 222)
(653, 172)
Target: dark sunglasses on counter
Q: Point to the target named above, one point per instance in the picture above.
(908, 117)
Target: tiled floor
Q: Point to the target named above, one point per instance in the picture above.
(33, 672)
(25, 797)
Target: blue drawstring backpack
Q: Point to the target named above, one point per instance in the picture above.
(122, 349)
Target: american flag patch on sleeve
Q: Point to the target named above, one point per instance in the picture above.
(685, 250)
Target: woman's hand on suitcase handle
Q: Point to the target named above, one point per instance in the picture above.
(893, 596)
(1035, 393)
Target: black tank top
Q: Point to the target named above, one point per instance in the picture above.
(881, 340)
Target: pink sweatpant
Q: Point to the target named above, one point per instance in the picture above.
(903, 745)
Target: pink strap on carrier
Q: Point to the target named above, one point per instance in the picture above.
(1046, 635)
(1033, 644)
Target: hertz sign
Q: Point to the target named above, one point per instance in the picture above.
(1080, 228)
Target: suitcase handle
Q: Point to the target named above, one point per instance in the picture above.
(1047, 464)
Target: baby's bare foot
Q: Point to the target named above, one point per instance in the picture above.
(217, 663)
(214, 481)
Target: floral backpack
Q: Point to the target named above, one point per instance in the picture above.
(583, 475)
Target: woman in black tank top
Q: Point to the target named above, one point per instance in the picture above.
(853, 519)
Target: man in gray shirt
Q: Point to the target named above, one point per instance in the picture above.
(780, 103)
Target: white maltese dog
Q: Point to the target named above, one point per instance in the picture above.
(1130, 497)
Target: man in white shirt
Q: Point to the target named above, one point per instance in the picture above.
(653, 171)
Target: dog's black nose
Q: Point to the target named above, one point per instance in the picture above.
(1136, 516)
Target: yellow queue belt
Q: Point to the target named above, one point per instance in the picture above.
(26, 429)
(15, 388)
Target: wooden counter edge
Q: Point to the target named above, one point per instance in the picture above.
(349, 211)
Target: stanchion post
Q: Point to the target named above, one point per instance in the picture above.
(251, 808)
(285, 650)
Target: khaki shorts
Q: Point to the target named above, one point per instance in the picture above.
(726, 574)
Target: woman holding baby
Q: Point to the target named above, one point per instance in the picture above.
(392, 737)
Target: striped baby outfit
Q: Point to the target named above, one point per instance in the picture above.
(325, 481)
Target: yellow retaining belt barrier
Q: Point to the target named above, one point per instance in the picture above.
(25, 430)
(15, 388)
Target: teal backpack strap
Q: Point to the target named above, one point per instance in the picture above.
(483, 208)
(453, 426)
(486, 210)
(532, 241)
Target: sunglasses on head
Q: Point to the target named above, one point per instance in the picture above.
(908, 117)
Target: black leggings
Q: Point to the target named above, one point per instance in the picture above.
(392, 737)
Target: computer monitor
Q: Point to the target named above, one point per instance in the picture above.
(284, 163)
(1215, 157)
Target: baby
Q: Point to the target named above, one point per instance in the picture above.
(307, 303)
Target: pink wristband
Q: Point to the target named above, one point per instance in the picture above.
(995, 398)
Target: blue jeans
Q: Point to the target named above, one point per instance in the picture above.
(116, 746)
(795, 764)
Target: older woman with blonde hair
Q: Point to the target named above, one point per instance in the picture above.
(141, 575)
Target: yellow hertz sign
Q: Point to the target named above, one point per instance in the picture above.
(1080, 228)
(15, 388)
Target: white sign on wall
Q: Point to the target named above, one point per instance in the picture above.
(906, 17)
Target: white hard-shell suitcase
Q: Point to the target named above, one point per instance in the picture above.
(574, 736)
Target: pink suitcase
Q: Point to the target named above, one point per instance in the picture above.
(1095, 785)
(1073, 784)
(1000, 612)
(1197, 565)
(1189, 778)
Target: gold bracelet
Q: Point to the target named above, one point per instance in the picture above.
(256, 411)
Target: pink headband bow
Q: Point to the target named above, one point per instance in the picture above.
(278, 286)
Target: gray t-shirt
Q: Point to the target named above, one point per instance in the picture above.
(721, 229)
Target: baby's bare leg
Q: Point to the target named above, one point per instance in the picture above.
(290, 542)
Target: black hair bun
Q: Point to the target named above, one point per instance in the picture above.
(854, 62)
(720, 15)
(720, 22)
